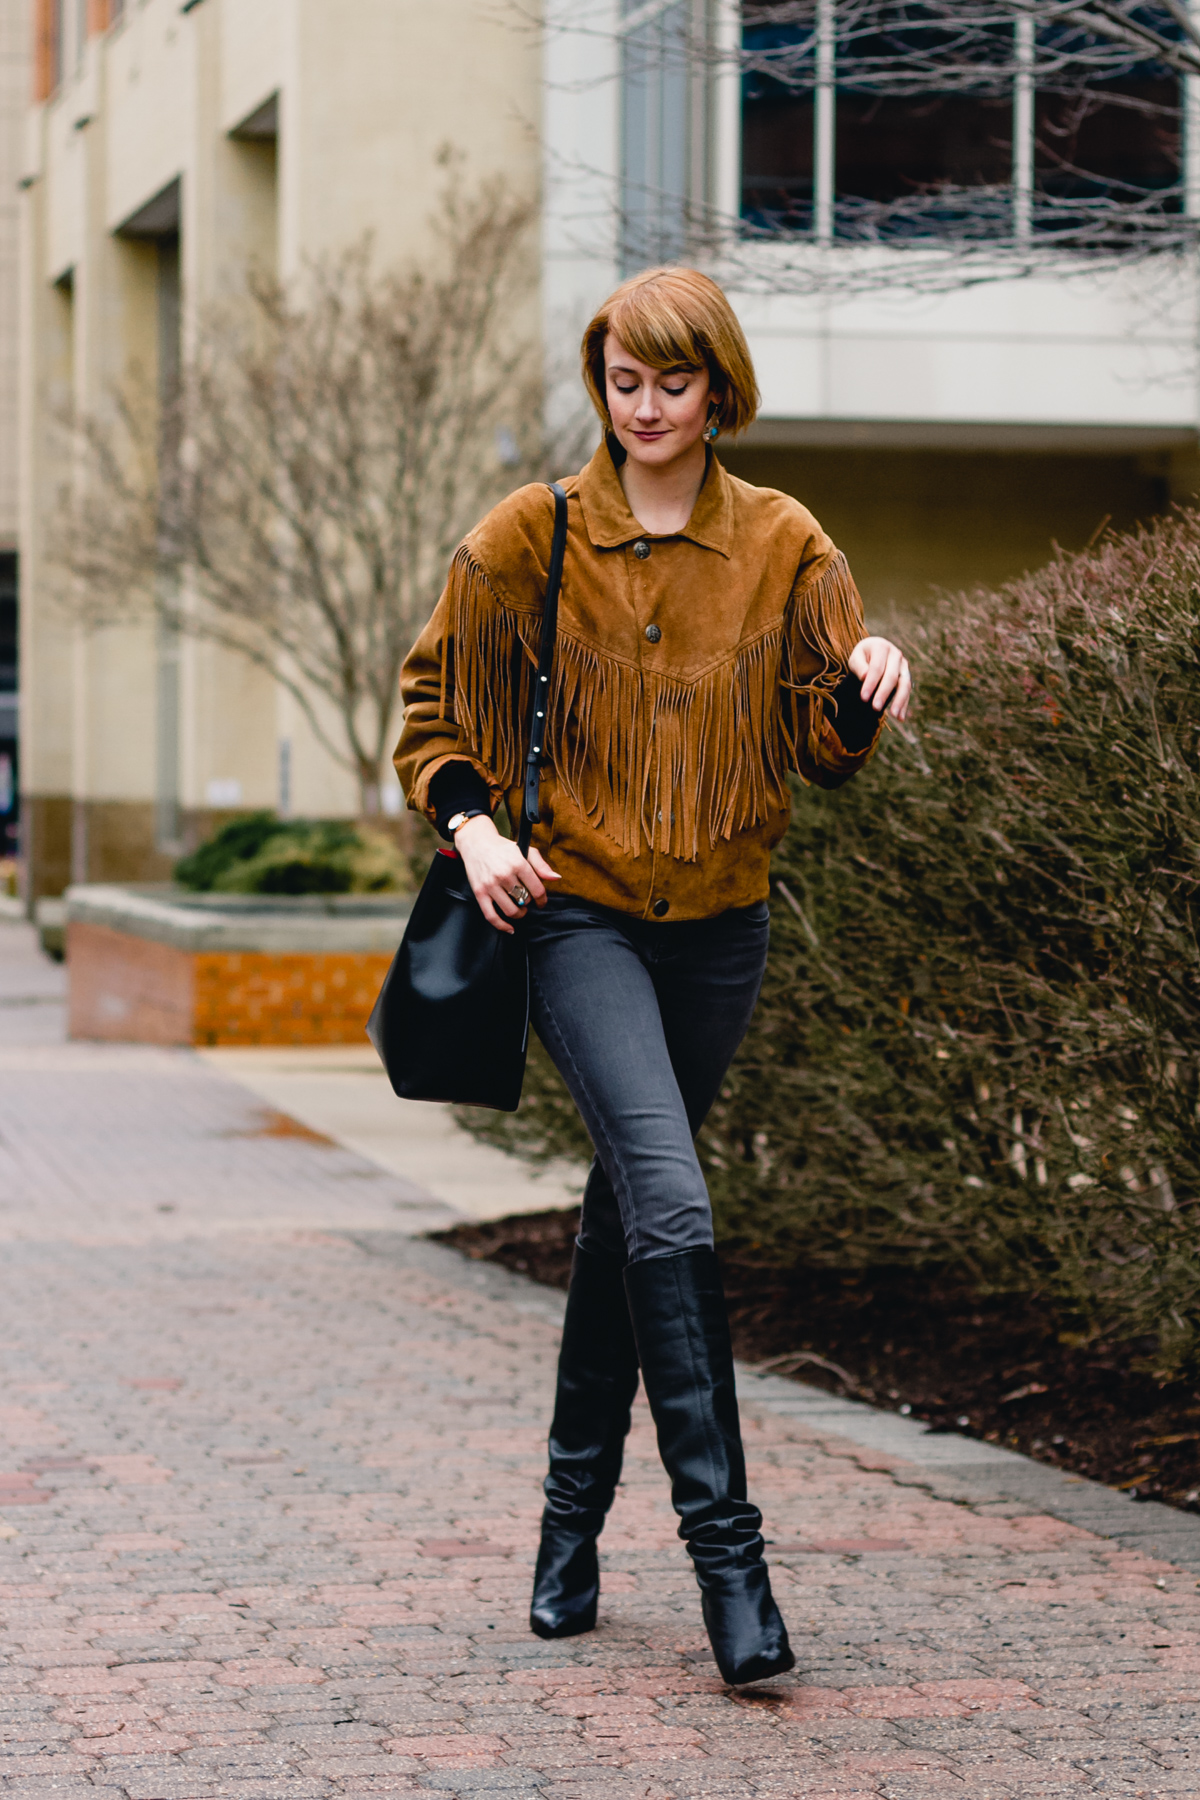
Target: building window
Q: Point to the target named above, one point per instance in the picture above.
(665, 129)
(61, 32)
(1118, 140)
(58, 42)
(878, 122)
(778, 124)
(912, 161)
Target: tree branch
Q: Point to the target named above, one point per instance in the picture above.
(336, 439)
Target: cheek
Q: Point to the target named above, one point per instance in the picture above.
(690, 408)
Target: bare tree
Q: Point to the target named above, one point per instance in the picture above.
(329, 445)
(1057, 85)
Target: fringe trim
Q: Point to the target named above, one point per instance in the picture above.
(826, 625)
(488, 670)
(649, 760)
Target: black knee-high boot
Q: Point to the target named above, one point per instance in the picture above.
(677, 1305)
(597, 1379)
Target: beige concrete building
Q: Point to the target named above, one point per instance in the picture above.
(945, 438)
(14, 102)
(170, 147)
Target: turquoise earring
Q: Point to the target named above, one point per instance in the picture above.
(712, 430)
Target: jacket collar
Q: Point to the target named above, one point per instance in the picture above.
(610, 523)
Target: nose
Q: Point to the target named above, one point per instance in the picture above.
(648, 406)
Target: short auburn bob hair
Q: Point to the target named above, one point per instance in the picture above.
(675, 318)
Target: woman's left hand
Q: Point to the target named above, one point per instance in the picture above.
(884, 673)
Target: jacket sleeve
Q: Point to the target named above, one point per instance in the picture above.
(823, 624)
(431, 737)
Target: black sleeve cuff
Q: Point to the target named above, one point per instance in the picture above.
(457, 787)
(857, 722)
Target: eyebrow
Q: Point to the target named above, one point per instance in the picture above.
(675, 369)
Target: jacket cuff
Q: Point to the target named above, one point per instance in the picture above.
(418, 794)
(456, 787)
(856, 722)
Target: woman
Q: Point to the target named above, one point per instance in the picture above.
(710, 639)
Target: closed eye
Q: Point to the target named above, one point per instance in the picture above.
(674, 392)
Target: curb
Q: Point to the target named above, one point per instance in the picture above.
(982, 1476)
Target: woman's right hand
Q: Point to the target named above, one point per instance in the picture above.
(496, 870)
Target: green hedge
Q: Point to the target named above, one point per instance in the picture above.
(260, 853)
(979, 1039)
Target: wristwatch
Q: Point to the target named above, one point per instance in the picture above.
(460, 818)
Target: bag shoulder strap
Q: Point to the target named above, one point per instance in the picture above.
(541, 687)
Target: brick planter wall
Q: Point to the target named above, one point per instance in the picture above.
(254, 998)
(129, 982)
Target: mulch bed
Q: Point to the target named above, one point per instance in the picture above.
(927, 1346)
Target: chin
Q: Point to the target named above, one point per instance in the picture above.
(665, 450)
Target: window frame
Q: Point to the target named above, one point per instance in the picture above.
(1024, 175)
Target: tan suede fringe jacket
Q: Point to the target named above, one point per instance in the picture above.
(691, 673)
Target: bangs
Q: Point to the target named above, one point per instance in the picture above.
(657, 332)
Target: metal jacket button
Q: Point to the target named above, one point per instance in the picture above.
(660, 907)
(641, 549)
(653, 634)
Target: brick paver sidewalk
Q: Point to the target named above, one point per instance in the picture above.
(269, 1500)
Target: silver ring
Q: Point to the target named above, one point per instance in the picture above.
(521, 895)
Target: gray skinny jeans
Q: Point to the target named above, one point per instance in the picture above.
(642, 1021)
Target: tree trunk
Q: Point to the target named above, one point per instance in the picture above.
(368, 789)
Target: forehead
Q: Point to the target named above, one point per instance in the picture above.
(617, 355)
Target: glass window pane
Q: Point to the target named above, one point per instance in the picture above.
(890, 147)
(8, 623)
(777, 126)
(924, 122)
(1119, 140)
(655, 138)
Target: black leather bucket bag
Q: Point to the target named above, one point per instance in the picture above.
(452, 1018)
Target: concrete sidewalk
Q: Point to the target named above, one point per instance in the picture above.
(338, 1092)
(269, 1501)
(343, 1093)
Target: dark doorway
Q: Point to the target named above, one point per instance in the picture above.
(10, 786)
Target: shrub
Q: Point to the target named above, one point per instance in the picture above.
(977, 1042)
(262, 854)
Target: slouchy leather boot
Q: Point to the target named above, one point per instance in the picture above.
(680, 1325)
(597, 1379)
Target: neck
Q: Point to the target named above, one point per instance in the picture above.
(662, 498)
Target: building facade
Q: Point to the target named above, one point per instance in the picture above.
(170, 149)
(949, 424)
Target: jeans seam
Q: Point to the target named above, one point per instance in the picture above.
(565, 1051)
